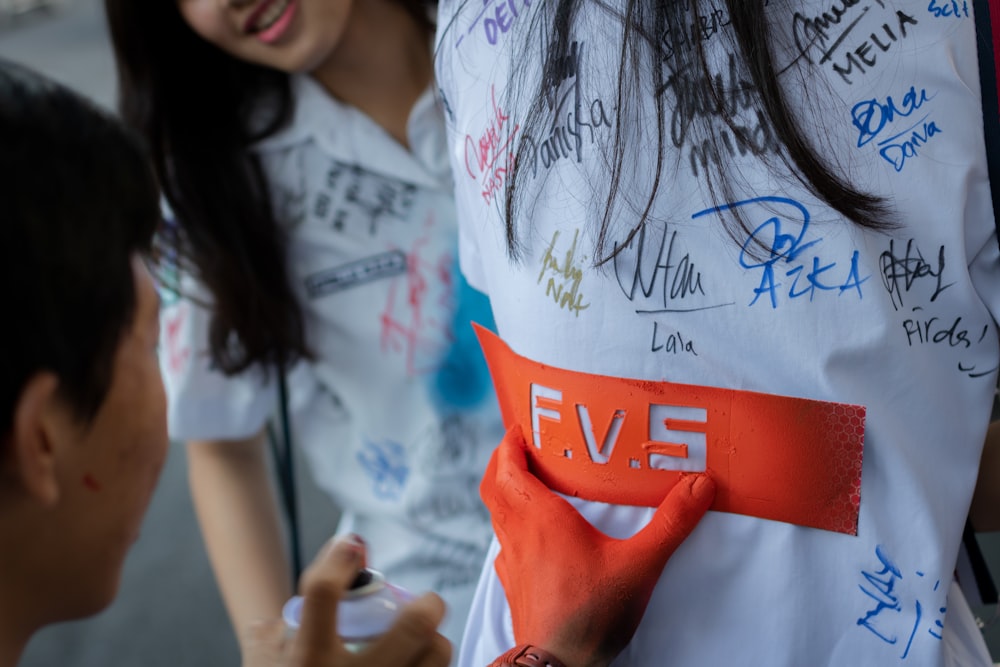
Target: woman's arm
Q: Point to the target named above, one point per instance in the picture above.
(237, 509)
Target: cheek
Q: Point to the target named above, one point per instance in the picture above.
(148, 442)
(157, 436)
(205, 19)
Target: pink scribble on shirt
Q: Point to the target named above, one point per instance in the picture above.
(416, 321)
(178, 351)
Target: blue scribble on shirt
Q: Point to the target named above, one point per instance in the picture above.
(788, 260)
(386, 466)
(887, 619)
(462, 380)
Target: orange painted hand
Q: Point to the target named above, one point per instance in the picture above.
(573, 590)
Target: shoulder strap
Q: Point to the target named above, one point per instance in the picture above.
(284, 465)
(987, 13)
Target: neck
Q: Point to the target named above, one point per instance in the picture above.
(16, 620)
(32, 588)
(382, 64)
(11, 648)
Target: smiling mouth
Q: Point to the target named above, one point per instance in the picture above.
(266, 16)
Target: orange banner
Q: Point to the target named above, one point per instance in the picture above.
(627, 442)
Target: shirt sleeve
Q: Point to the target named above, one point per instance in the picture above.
(203, 403)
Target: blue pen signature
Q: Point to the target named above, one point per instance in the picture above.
(386, 466)
(887, 617)
(949, 9)
(782, 246)
(870, 117)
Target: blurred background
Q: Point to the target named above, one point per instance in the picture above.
(168, 612)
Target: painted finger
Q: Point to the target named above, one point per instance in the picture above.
(675, 518)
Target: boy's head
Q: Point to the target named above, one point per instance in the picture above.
(82, 409)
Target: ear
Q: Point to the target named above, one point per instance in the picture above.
(39, 421)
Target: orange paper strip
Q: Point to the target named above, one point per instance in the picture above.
(627, 442)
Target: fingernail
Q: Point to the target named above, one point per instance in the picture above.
(347, 548)
(702, 483)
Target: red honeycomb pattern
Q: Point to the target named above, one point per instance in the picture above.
(843, 427)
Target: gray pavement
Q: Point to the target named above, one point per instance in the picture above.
(168, 612)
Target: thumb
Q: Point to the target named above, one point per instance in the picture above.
(488, 485)
(511, 448)
(675, 518)
(519, 498)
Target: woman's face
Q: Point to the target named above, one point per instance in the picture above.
(287, 35)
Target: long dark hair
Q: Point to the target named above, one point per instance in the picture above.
(193, 104)
(657, 38)
(200, 110)
(79, 200)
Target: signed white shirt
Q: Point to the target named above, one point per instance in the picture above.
(900, 321)
(396, 416)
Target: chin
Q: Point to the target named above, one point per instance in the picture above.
(91, 596)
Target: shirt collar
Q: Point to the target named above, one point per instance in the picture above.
(348, 135)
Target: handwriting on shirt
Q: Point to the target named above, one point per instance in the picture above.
(178, 351)
(958, 9)
(496, 17)
(830, 38)
(915, 282)
(671, 342)
(386, 467)
(717, 103)
(922, 330)
(350, 194)
(489, 157)
(442, 453)
(901, 613)
(900, 148)
(870, 117)
(789, 253)
(562, 276)
(906, 270)
(416, 321)
(654, 269)
(574, 119)
(700, 28)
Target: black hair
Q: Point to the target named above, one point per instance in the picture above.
(79, 200)
(198, 109)
(658, 41)
(201, 110)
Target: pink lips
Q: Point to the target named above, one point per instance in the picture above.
(273, 32)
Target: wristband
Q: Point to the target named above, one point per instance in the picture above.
(526, 655)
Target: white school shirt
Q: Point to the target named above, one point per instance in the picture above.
(396, 415)
(901, 322)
